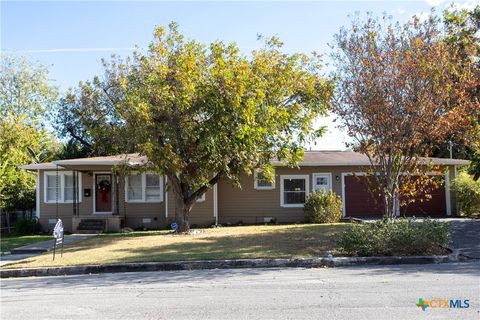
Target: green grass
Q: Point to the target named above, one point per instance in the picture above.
(8, 243)
(272, 241)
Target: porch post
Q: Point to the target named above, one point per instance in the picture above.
(74, 203)
(117, 200)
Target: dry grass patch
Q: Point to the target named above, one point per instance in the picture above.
(279, 241)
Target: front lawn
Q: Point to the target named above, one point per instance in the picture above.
(276, 241)
(8, 243)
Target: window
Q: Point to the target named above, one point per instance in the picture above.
(152, 187)
(322, 181)
(144, 187)
(50, 187)
(293, 191)
(260, 183)
(66, 186)
(202, 198)
(134, 187)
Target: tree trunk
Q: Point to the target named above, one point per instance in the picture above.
(182, 212)
(390, 199)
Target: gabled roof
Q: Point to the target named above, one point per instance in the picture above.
(312, 158)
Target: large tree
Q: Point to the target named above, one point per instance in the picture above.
(88, 120)
(462, 31)
(401, 92)
(25, 89)
(26, 93)
(203, 113)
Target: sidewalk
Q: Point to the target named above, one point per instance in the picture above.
(38, 248)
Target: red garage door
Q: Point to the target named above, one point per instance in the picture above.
(360, 203)
(434, 207)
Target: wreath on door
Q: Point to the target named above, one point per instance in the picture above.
(104, 185)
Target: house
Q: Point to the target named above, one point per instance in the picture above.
(91, 193)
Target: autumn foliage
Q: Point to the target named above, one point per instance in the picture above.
(401, 91)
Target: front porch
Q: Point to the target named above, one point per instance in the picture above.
(96, 196)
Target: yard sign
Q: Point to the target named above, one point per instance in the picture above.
(58, 235)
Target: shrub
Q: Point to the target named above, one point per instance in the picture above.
(467, 193)
(27, 226)
(395, 237)
(322, 207)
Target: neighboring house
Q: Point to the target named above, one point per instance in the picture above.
(90, 191)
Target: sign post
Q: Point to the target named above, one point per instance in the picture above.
(58, 235)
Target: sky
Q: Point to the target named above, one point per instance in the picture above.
(71, 37)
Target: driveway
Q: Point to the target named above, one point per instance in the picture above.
(374, 292)
(466, 236)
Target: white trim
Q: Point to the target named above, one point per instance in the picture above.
(144, 188)
(41, 166)
(94, 188)
(343, 195)
(166, 198)
(37, 196)
(255, 182)
(306, 177)
(61, 187)
(457, 205)
(215, 203)
(448, 205)
(322, 174)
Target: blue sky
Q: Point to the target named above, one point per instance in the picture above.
(71, 37)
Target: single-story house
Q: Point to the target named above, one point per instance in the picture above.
(87, 193)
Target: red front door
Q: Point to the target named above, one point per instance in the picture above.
(103, 192)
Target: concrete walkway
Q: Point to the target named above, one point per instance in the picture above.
(38, 248)
(465, 235)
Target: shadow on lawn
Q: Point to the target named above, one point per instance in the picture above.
(303, 241)
(271, 242)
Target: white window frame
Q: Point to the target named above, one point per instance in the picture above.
(257, 187)
(61, 187)
(144, 189)
(306, 177)
(202, 198)
(327, 175)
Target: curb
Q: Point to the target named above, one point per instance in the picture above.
(228, 264)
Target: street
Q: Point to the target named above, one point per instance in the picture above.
(375, 292)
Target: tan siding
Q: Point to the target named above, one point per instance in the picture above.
(201, 214)
(65, 210)
(247, 204)
(134, 213)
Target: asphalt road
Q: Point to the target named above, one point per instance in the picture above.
(380, 292)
